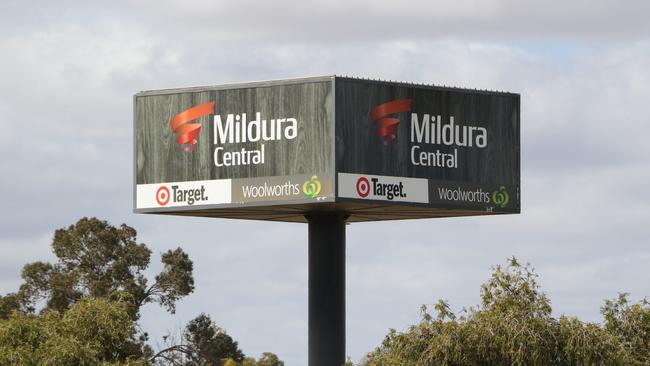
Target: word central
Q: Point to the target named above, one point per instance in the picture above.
(237, 129)
(432, 130)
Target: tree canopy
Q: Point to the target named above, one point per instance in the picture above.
(99, 261)
(205, 343)
(210, 342)
(83, 308)
(91, 332)
(513, 325)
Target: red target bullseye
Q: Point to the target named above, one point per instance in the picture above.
(162, 195)
(363, 187)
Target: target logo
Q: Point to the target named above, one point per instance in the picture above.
(162, 195)
(363, 187)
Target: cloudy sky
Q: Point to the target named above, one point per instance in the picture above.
(69, 69)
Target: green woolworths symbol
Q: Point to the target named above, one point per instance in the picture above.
(500, 198)
(311, 188)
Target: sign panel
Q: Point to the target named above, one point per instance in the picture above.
(234, 146)
(464, 144)
(278, 150)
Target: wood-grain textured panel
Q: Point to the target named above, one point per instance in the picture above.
(159, 159)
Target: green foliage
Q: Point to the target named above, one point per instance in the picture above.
(14, 302)
(513, 325)
(90, 301)
(91, 332)
(209, 343)
(269, 359)
(206, 344)
(175, 281)
(97, 260)
(630, 323)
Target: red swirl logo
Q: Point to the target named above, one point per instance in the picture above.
(186, 133)
(387, 126)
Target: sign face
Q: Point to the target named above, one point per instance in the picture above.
(281, 149)
(234, 147)
(462, 146)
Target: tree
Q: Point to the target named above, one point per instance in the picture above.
(97, 260)
(513, 325)
(269, 359)
(91, 332)
(204, 343)
(209, 343)
(14, 302)
(83, 309)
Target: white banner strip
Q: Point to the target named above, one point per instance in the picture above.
(383, 188)
(183, 194)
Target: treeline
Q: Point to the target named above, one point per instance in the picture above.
(514, 325)
(84, 308)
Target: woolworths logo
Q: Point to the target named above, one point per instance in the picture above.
(500, 198)
(311, 188)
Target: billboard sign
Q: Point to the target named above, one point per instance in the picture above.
(280, 149)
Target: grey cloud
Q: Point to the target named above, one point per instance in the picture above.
(340, 21)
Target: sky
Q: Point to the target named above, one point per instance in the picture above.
(69, 70)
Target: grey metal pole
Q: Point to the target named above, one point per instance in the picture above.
(326, 289)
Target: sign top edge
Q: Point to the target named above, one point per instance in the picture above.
(425, 85)
(322, 78)
(238, 85)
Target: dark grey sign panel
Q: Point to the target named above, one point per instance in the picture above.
(464, 143)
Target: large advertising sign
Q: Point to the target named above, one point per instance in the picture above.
(281, 149)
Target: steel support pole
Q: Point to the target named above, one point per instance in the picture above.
(326, 289)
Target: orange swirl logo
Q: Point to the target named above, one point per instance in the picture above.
(186, 133)
(387, 126)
